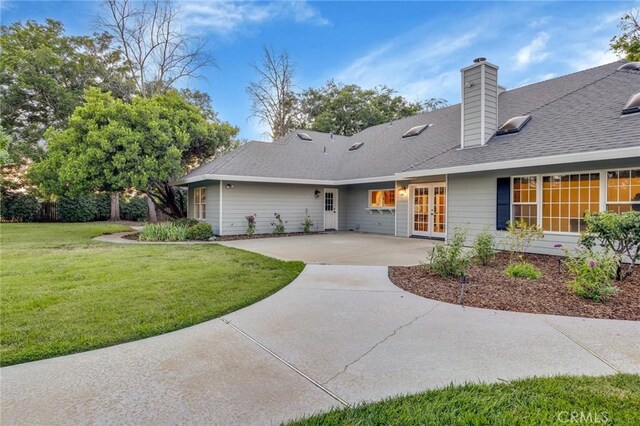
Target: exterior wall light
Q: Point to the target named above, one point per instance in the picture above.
(229, 186)
(402, 191)
(317, 193)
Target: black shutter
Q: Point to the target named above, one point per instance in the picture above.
(503, 205)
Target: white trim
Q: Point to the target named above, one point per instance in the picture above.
(462, 107)
(609, 154)
(336, 194)
(220, 210)
(431, 205)
(483, 102)
(446, 208)
(197, 206)
(239, 178)
(383, 207)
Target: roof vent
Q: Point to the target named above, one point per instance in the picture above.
(630, 66)
(513, 125)
(356, 146)
(415, 130)
(304, 137)
(478, 60)
(633, 105)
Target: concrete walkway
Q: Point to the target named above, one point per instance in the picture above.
(342, 248)
(338, 334)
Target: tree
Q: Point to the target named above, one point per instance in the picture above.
(157, 52)
(273, 100)
(111, 145)
(627, 44)
(348, 109)
(43, 74)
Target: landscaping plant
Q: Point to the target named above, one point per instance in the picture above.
(278, 225)
(484, 247)
(163, 232)
(186, 221)
(523, 270)
(593, 272)
(82, 208)
(449, 260)
(308, 223)
(251, 224)
(19, 207)
(201, 232)
(618, 232)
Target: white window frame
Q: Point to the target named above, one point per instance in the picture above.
(391, 207)
(537, 203)
(200, 205)
(602, 204)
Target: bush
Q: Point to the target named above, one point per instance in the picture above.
(308, 223)
(251, 224)
(135, 209)
(185, 221)
(449, 260)
(78, 209)
(523, 270)
(484, 247)
(103, 206)
(593, 273)
(618, 232)
(163, 232)
(278, 225)
(519, 237)
(201, 231)
(19, 207)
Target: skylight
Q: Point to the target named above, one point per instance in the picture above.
(513, 125)
(304, 137)
(355, 146)
(633, 105)
(415, 131)
(631, 66)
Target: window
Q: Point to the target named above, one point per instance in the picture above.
(200, 203)
(382, 198)
(415, 131)
(630, 66)
(566, 198)
(632, 105)
(525, 199)
(623, 190)
(356, 146)
(304, 136)
(513, 125)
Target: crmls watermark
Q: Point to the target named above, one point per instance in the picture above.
(584, 417)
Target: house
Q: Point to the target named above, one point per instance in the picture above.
(545, 153)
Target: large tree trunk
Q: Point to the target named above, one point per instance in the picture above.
(115, 206)
(153, 217)
(164, 195)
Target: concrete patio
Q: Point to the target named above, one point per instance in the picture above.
(342, 248)
(337, 335)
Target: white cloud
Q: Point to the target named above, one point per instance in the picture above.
(539, 22)
(534, 52)
(227, 17)
(593, 58)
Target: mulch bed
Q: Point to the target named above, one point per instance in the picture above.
(259, 236)
(489, 287)
(135, 236)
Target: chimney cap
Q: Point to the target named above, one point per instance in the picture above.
(478, 60)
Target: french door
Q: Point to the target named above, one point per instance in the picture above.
(429, 210)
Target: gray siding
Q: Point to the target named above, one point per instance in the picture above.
(213, 203)
(265, 199)
(473, 101)
(472, 201)
(359, 218)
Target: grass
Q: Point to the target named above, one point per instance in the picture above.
(614, 400)
(62, 293)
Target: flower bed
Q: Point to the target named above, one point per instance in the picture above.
(489, 287)
(258, 236)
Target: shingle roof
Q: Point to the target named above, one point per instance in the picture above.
(579, 112)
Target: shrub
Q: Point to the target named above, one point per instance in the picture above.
(163, 232)
(449, 260)
(135, 209)
(484, 247)
(185, 221)
(251, 224)
(77, 209)
(278, 225)
(103, 206)
(618, 232)
(307, 223)
(523, 270)
(593, 272)
(19, 207)
(519, 237)
(201, 231)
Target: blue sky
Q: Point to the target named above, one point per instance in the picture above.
(415, 47)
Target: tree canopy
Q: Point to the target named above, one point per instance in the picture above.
(627, 44)
(348, 109)
(43, 73)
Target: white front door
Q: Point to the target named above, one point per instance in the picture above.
(428, 210)
(330, 208)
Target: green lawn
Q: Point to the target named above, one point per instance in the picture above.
(538, 401)
(61, 293)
